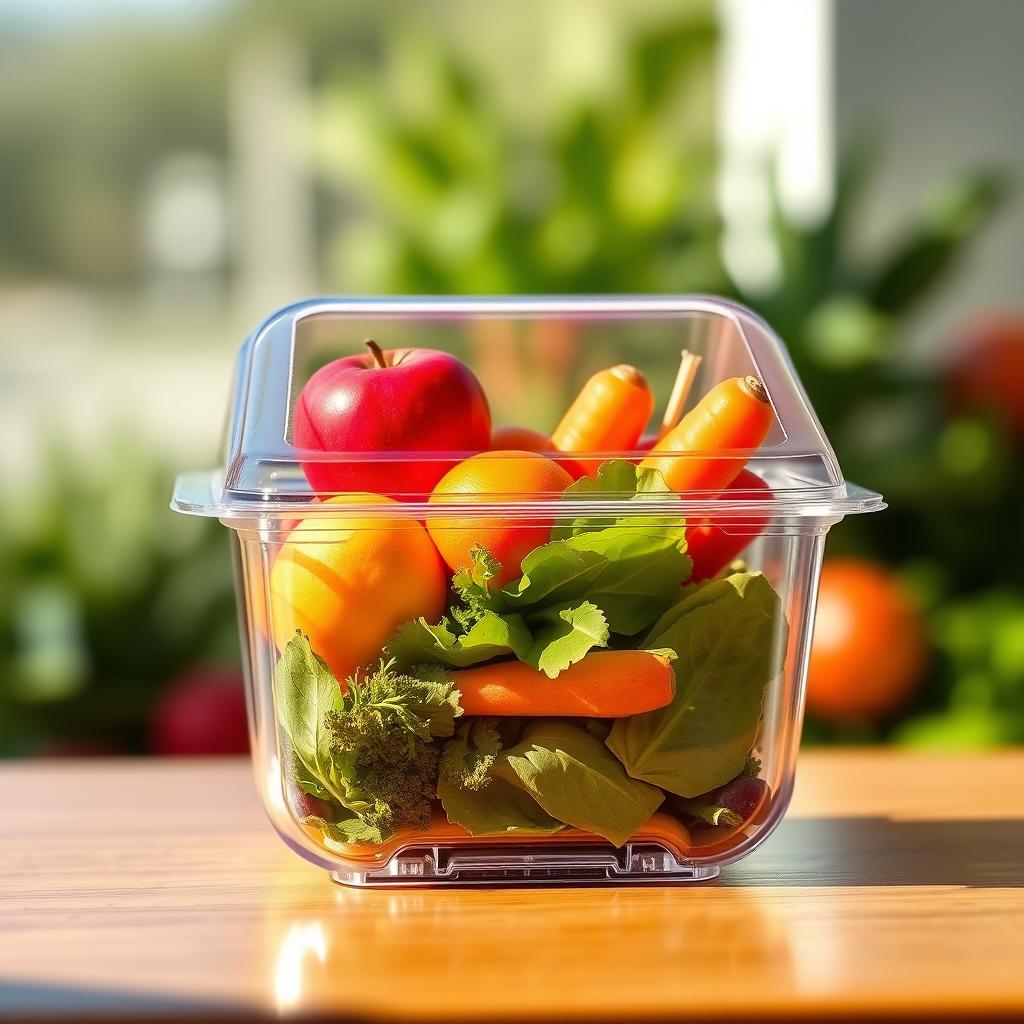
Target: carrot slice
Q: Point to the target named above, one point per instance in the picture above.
(605, 684)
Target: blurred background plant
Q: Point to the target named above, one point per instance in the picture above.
(171, 177)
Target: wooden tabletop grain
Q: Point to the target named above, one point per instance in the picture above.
(156, 889)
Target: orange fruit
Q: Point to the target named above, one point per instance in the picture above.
(349, 582)
(496, 476)
(870, 647)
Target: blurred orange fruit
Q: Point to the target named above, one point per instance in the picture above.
(498, 476)
(869, 648)
(349, 582)
(986, 371)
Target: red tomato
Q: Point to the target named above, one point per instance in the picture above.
(986, 372)
(869, 648)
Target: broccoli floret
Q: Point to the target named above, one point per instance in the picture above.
(382, 740)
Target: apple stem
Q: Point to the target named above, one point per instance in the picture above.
(378, 352)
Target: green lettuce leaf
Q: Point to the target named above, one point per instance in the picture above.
(490, 636)
(472, 586)
(730, 638)
(563, 635)
(575, 779)
(644, 568)
(499, 809)
(616, 480)
(553, 574)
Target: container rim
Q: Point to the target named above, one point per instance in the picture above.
(201, 494)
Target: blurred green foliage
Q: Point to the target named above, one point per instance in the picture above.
(429, 180)
(608, 191)
(107, 594)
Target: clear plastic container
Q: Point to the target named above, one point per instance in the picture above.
(670, 773)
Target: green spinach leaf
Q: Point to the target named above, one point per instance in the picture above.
(575, 779)
(306, 692)
(730, 638)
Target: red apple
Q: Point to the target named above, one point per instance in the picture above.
(403, 400)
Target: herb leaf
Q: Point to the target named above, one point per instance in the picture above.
(490, 636)
(473, 587)
(371, 749)
(730, 638)
(575, 779)
(564, 635)
(467, 759)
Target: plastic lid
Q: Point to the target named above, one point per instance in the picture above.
(262, 473)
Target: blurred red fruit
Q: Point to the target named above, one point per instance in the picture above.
(986, 370)
(201, 712)
(869, 648)
(521, 439)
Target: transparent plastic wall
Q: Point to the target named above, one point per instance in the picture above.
(790, 558)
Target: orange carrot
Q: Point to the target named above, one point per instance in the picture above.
(713, 545)
(605, 684)
(608, 415)
(733, 415)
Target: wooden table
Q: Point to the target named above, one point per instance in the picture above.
(156, 889)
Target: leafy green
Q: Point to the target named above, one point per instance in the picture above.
(563, 635)
(490, 636)
(424, 704)
(466, 760)
(371, 750)
(615, 480)
(500, 809)
(630, 566)
(575, 779)
(552, 574)
(473, 587)
(348, 830)
(475, 799)
(306, 691)
(730, 638)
